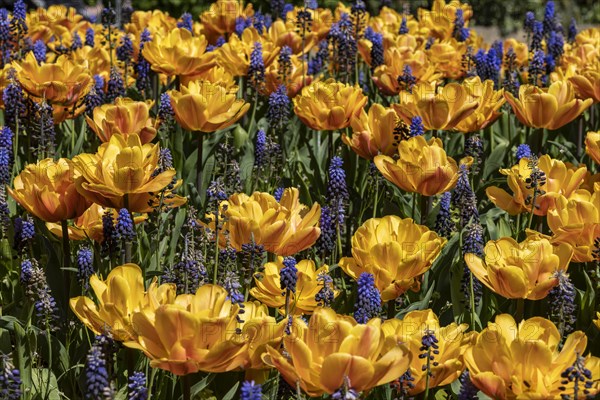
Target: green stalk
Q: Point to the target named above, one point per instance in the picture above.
(216, 267)
(199, 166)
(185, 387)
(427, 373)
(519, 313)
(376, 201)
(472, 300)
(66, 245)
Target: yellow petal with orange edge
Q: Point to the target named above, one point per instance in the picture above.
(336, 367)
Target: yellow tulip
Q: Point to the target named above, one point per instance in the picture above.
(216, 75)
(396, 59)
(259, 330)
(178, 53)
(447, 57)
(193, 333)
(489, 100)
(46, 22)
(439, 107)
(333, 351)
(440, 19)
(157, 22)
(219, 19)
(549, 108)
(62, 82)
(118, 297)
(561, 179)
(396, 251)
(587, 82)
(48, 190)
(329, 105)
(124, 117)
(520, 270)
(234, 55)
(592, 146)
(576, 222)
(374, 133)
(123, 167)
(452, 341)
(295, 78)
(206, 107)
(284, 228)
(89, 224)
(268, 287)
(284, 33)
(423, 167)
(523, 361)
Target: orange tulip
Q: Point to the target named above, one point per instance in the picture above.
(374, 132)
(63, 82)
(329, 105)
(423, 167)
(234, 55)
(549, 108)
(396, 251)
(561, 179)
(89, 224)
(124, 117)
(206, 107)
(48, 191)
(439, 107)
(179, 53)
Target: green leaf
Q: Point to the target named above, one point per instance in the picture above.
(495, 161)
(44, 384)
(229, 395)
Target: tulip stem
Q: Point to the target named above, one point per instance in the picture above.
(520, 309)
(376, 197)
(216, 267)
(414, 205)
(199, 163)
(185, 387)
(391, 312)
(66, 256)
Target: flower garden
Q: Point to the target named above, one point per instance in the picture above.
(298, 201)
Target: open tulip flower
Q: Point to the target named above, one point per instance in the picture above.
(587, 83)
(452, 341)
(329, 105)
(124, 117)
(268, 287)
(202, 106)
(423, 167)
(520, 270)
(63, 82)
(396, 59)
(447, 56)
(220, 18)
(561, 179)
(283, 228)
(89, 225)
(549, 108)
(440, 107)
(489, 101)
(592, 146)
(119, 296)
(374, 132)
(193, 333)
(123, 167)
(48, 190)
(295, 78)
(333, 351)
(576, 222)
(178, 53)
(396, 251)
(524, 361)
(236, 53)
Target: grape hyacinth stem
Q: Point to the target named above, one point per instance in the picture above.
(66, 257)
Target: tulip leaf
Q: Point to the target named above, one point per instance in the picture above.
(417, 305)
(201, 385)
(179, 220)
(229, 395)
(495, 161)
